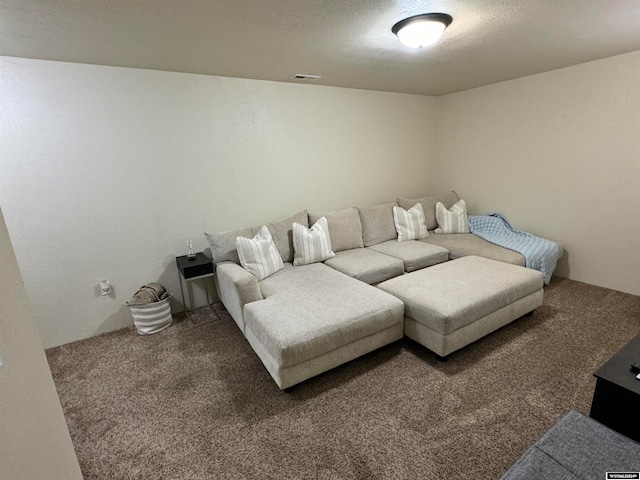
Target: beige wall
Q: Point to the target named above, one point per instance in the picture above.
(34, 440)
(104, 172)
(559, 154)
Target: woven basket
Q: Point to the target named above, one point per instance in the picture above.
(152, 317)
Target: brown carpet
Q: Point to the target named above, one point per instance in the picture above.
(194, 402)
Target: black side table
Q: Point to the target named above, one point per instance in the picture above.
(616, 400)
(194, 269)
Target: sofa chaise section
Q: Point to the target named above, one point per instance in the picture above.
(314, 318)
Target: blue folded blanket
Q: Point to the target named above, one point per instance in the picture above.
(540, 254)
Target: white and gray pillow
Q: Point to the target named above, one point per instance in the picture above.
(313, 244)
(410, 224)
(259, 255)
(429, 206)
(453, 220)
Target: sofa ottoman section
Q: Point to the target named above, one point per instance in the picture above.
(314, 318)
(414, 254)
(453, 304)
(366, 265)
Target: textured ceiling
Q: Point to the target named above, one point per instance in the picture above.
(348, 42)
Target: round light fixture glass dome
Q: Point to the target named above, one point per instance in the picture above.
(422, 30)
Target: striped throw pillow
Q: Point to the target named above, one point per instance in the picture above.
(259, 255)
(313, 244)
(410, 224)
(453, 220)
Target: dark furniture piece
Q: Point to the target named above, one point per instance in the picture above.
(193, 269)
(578, 447)
(616, 400)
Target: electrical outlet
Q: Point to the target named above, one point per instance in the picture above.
(105, 287)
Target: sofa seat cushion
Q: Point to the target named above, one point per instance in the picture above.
(463, 244)
(414, 254)
(366, 265)
(454, 294)
(314, 309)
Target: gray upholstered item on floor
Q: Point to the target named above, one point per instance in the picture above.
(453, 304)
(314, 318)
(577, 447)
(464, 244)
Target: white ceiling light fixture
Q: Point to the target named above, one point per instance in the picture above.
(422, 30)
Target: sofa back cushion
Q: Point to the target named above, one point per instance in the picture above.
(429, 206)
(223, 245)
(377, 224)
(282, 233)
(345, 228)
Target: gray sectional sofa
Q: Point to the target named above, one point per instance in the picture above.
(304, 320)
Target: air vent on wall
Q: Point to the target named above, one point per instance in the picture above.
(304, 76)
